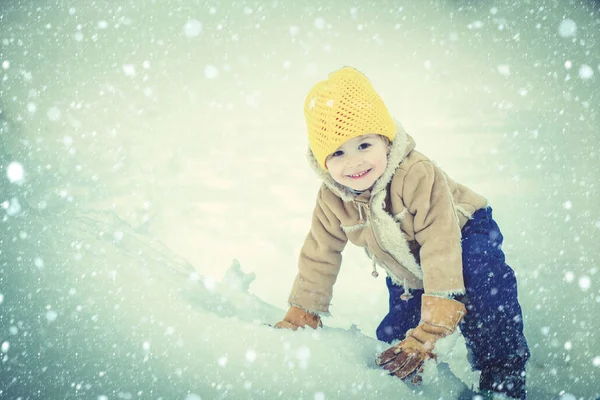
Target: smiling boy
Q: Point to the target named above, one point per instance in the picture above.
(434, 237)
(359, 162)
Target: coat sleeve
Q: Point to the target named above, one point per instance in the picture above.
(428, 198)
(320, 259)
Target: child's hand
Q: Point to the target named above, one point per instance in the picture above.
(298, 318)
(439, 318)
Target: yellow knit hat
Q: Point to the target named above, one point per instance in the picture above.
(341, 108)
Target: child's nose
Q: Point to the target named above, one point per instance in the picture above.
(355, 161)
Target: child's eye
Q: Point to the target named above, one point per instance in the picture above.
(337, 153)
(363, 146)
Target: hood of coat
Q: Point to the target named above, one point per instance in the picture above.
(402, 145)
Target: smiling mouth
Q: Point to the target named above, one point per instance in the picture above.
(359, 175)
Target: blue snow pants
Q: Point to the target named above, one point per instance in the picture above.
(493, 325)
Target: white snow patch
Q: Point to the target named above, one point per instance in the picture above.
(209, 283)
(251, 356)
(303, 355)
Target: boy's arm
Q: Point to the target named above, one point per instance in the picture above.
(428, 198)
(319, 262)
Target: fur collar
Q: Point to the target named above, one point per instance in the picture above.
(402, 145)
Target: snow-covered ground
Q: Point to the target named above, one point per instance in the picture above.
(146, 146)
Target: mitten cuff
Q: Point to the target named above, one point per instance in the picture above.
(441, 312)
(301, 318)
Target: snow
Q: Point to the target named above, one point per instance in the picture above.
(211, 72)
(15, 172)
(140, 256)
(192, 28)
(567, 28)
(586, 72)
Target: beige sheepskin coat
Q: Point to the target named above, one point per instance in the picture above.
(409, 224)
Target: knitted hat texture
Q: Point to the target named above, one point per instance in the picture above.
(341, 108)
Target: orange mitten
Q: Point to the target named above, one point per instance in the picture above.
(298, 318)
(439, 318)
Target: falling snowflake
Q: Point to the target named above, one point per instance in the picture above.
(250, 355)
(585, 72)
(129, 70)
(585, 282)
(504, 70)
(211, 72)
(51, 316)
(192, 28)
(14, 172)
(53, 114)
(567, 28)
(319, 23)
(222, 361)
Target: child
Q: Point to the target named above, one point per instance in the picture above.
(434, 237)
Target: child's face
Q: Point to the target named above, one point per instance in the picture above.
(359, 162)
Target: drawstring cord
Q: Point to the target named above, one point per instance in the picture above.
(375, 274)
(406, 295)
(360, 216)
